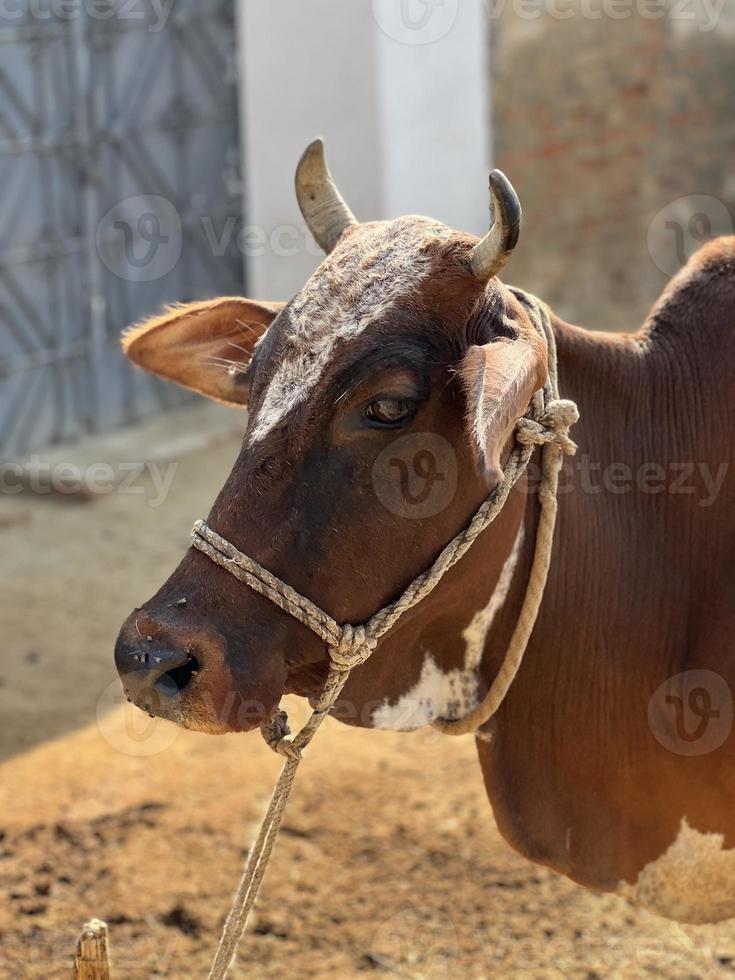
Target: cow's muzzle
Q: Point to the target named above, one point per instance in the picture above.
(187, 673)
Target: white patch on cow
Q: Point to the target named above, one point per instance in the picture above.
(437, 693)
(475, 634)
(454, 693)
(358, 285)
(694, 881)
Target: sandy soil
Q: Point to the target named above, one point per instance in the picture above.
(389, 863)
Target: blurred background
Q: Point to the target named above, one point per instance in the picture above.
(147, 151)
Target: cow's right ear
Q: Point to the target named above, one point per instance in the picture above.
(205, 347)
(500, 379)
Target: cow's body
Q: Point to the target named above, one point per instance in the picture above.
(603, 762)
(642, 588)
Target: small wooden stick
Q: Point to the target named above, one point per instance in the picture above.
(92, 959)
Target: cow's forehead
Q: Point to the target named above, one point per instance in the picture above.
(372, 269)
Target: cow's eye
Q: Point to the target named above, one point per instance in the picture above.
(390, 411)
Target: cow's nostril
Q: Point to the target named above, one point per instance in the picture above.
(153, 675)
(179, 677)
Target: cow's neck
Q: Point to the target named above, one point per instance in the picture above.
(442, 647)
(640, 591)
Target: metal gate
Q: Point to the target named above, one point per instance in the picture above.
(119, 187)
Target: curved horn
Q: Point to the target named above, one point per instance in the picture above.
(490, 255)
(324, 211)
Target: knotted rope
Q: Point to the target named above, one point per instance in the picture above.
(547, 425)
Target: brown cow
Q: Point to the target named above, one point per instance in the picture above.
(381, 403)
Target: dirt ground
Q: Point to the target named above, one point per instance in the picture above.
(389, 863)
(73, 567)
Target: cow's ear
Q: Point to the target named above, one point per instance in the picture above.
(499, 379)
(206, 347)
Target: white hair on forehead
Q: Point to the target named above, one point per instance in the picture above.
(354, 288)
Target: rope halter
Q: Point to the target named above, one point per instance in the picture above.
(547, 424)
(552, 428)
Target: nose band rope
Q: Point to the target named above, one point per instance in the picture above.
(547, 425)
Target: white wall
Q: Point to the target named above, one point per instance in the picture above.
(398, 89)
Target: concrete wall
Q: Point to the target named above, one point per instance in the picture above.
(398, 90)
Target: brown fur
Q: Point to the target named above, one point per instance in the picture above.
(641, 585)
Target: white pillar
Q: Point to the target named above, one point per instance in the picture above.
(398, 89)
(434, 110)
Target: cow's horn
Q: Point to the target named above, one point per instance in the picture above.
(324, 211)
(490, 255)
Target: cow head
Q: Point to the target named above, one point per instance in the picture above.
(401, 338)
